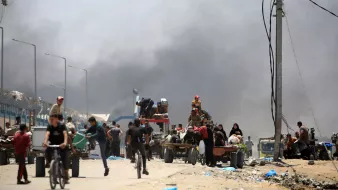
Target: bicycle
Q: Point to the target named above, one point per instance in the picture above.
(138, 163)
(56, 170)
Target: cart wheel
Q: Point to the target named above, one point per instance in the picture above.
(75, 166)
(193, 156)
(168, 155)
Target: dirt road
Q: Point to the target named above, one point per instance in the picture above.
(123, 176)
(91, 177)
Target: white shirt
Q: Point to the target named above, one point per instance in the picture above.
(70, 125)
(249, 144)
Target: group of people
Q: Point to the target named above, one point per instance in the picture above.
(147, 110)
(10, 130)
(299, 141)
(211, 136)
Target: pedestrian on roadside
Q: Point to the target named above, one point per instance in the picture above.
(113, 124)
(107, 148)
(98, 133)
(114, 136)
(236, 130)
(249, 145)
(21, 143)
(128, 149)
(8, 128)
(209, 146)
(149, 131)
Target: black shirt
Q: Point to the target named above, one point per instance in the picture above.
(56, 134)
(145, 102)
(136, 134)
(91, 130)
(236, 131)
(149, 130)
(115, 133)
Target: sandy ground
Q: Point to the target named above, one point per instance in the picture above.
(123, 176)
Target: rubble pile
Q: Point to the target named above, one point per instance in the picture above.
(297, 182)
(255, 175)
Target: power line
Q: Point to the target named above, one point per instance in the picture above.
(303, 85)
(271, 54)
(300, 73)
(323, 8)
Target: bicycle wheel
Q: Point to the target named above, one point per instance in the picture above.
(194, 155)
(203, 159)
(52, 174)
(139, 165)
(61, 176)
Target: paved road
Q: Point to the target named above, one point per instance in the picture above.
(122, 174)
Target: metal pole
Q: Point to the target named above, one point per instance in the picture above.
(86, 93)
(2, 59)
(279, 46)
(35, 81)
(64, 107)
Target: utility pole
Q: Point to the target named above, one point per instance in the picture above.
(86, 92)
(2, 59)
(278, 94)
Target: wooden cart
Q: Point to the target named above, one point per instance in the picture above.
(175, 150)
(222, 153)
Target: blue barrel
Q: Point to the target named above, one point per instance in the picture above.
(171, 187)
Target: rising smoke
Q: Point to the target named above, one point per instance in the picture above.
(219, 52)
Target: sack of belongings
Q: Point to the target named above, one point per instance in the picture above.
(235, 139)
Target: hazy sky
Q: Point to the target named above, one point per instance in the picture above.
(177, 49)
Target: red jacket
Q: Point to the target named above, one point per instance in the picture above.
(21, 142)
(204, 132)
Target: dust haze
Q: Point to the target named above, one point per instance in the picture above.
(215, 49)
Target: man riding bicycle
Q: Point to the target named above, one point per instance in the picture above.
(135, 141)
(56, 134)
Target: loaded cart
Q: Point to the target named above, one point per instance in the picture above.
(223, 153)
(176, 150)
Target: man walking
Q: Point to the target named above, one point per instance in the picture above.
(98, 133)
(21, 143)
(114, 135)
(249, 145)
(149, 131)
(107, 147)
(128, 149)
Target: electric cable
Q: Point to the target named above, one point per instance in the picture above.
(271, 54)
(303, 85)
(330, 12)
